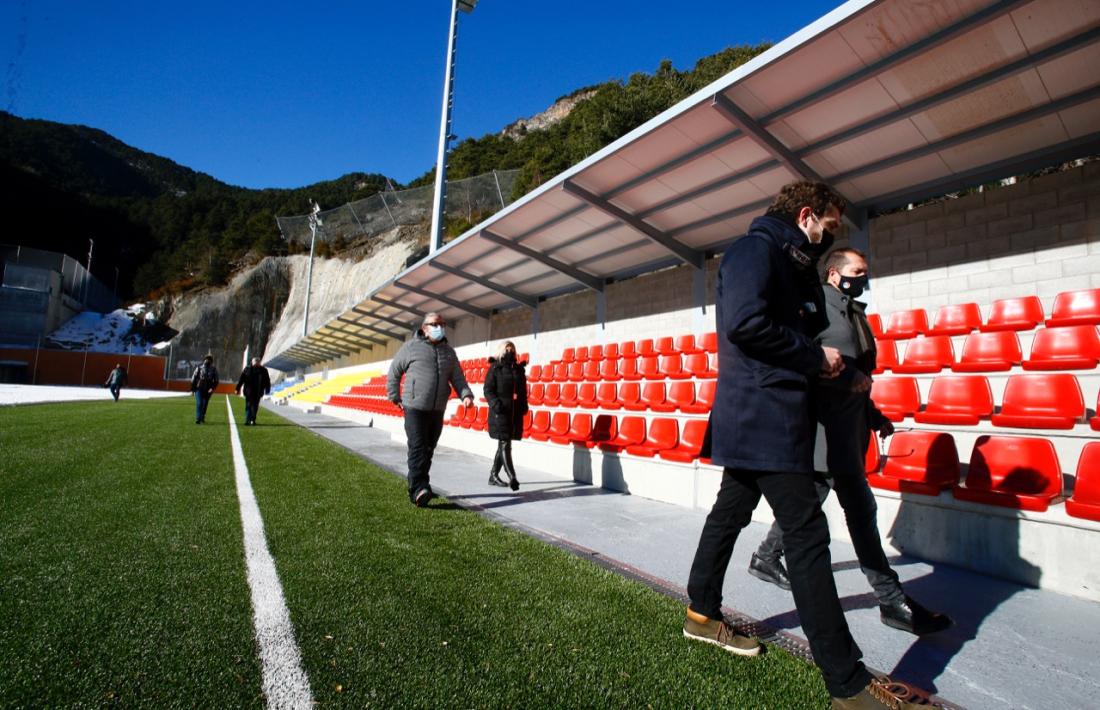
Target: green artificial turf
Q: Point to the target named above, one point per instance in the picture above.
(122, 581)
(121, 572)
(396, 606)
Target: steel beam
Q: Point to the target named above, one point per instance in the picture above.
(387, 319)
(684, 252)
(561, 267)
(361, 338)
(723, 216)
(520, 298)
(733, 113)
(334, 339)
(374, 329)
(465, 308)
(394, 304)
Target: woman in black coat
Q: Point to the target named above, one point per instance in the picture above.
(506, 393)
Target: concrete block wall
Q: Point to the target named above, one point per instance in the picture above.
(1039, 236)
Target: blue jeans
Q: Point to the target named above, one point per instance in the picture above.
(251, 407)
(202, 401)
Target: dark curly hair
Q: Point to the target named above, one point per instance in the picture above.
(805, 193)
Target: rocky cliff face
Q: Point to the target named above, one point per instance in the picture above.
(261, 310)
(540, 121)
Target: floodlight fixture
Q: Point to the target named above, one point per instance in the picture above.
(467, 6)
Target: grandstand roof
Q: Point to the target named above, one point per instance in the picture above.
(889, 101)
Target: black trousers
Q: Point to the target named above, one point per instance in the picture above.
(251, 407)
(422, 428)
(797, 509)
(503, 458)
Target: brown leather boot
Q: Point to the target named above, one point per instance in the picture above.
(878, 695)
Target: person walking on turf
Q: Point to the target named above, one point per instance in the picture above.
(203, 382)
(255, 382)
(430, 367)
(116, 380)
(506, 393)
(761, 432)
(847, 415)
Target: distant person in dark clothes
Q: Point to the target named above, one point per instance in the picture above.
(431, 368)
(846, 414)
(203, 382)
(116, 380)
(506, 393)
(761, 431)
(255, 382)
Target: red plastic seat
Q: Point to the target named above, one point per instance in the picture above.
(1041, 402)
(603, 429)
(1076, 308)
(576, 371)
(551, 396)
(957, 319)
(540, 425)
(873, 458)
(592, 370)
(559, 428)
(611, 351)
(586, 396)
(561, 372)
(535, 373)
(685, 344)
(609, 371)
(581, 354)
(528, 419)
(469, 418)
(595, 352)
(691, 441)
(569, 395)
(630, 396)
(896, 397)
(649, 367)
(1095, 421)
(534, 393)
(663, 434)
(924, 462)
(698, 364)
(665, 345)
(548, 373)
(959, 400)
(631, 433)
(875, 321)
(567, 355)
(628, 369)
(607, 396)
(1022, 313)
(886, 356)
(1013, 472)
(710, 342)
(906, 324)
(628, 349)
(704, 396)
(458, 416)
(681, 395)
(580, 430)
(672, 367)
(989, 352)
(925, 355)
(646, 348)
(482, 421)
(1071, 347)
(1085, 502)
(655, 398)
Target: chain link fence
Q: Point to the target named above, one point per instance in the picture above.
(471, 199)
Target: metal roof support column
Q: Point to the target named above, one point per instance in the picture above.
(684, 252)
(521, 298)
(733, 113)
(386, 319)
(576, 274)
(464, 307)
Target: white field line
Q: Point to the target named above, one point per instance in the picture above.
(284, 680)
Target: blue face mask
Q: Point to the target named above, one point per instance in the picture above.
(435, 332)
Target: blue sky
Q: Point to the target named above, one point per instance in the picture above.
(281, 94)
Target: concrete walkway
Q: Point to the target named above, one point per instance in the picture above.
(1011, 646)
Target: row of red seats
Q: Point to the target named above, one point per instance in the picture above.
(650, 367)
(1023, 313)
(1048, 401)
(684, 396)
(1062, 348)
(630, 349)
(376, 405)
(1010, 471)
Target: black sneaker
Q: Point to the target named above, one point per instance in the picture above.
(495, 480)
(907, 615)
(770, 571)
(423, 497)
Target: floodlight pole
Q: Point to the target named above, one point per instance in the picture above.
(436, 236)
(314, 225)
(91, 245)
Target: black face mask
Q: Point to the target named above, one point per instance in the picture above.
(815, 251)
(509, 357)
(853, 286)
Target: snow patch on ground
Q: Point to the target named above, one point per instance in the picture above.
(36, 394)
(104, 332)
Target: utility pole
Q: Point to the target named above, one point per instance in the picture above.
(315, 224)
(88, 276)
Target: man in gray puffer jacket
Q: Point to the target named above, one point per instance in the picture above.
(430, 367)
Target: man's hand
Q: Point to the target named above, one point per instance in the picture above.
(861, 382)
(832, 364)
(886, 429)
(468, 401)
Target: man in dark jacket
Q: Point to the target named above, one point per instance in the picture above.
(203, 383)
(116, 380)
(846, 415)
(761, 431)
(430, 367)
(256, 383)
(506, 393)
